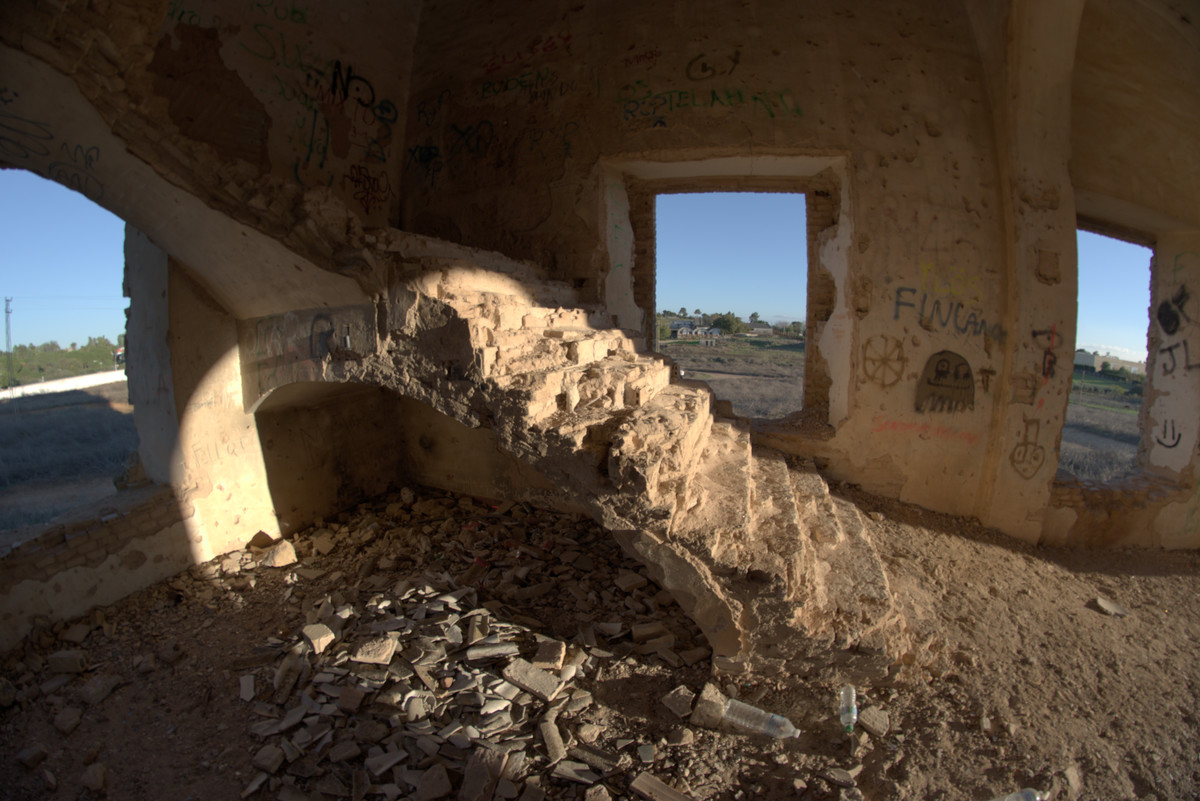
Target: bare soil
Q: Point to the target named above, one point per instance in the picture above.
(762, 377)
(1017, 676)
(59, 451)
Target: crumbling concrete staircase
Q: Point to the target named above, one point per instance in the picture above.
(756, 550)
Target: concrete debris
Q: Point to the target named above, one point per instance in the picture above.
(32, 755)
(319, 636)
(281, 554)
(532, 680)
(681, 737)
(76, 633)
(679, 701)
(95, 777)
(268, 759)
(709, 709)
(99, 687)
(67, 720)
(246, 687)
(67, 662)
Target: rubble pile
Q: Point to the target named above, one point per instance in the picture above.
(431, 684)
(421, 646)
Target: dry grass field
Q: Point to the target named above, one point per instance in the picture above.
(761, 377)
(61, 450)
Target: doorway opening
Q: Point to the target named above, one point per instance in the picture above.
(1102, 433)
(66, 424)
(731, 290)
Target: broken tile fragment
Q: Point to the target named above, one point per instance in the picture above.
(377, 651)
(76, 633)
(550, 655)
(575, 772)
(435, 783)
(482, 774)
(532, 680)
(627, 580)
(343, 751)
(556, 750)
(654, 789)
(268, 759)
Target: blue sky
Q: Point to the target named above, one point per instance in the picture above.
(745, 252)
(63, 261)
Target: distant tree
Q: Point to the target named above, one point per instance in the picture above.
(74, 346)
(1105, 366)
(120, 340)
(754, 317)
(49, 347)
(683, 311)
(697, 312)
(729, 323)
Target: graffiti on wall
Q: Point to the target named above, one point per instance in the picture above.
(340, 127)
(32, 144)
(947, 384)
(1027, 456)
(883, 360)
(880, 423)
(944, 313)
(296, 346)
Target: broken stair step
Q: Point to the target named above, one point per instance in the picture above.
(718, 506)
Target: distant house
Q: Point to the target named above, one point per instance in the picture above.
(1095, 361)
(760, 330)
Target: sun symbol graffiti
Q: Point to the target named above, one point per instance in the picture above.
(883, 360)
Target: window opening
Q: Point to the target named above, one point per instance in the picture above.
(66, 426)
(1101, 435)
(732, 274)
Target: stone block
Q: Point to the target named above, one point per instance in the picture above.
(95, 777)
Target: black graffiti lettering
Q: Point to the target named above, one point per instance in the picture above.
(345, 85)
(23, 139)
(1169, 434)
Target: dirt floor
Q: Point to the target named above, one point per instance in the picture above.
(1021, 676)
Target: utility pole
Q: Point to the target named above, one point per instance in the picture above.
(12, 380)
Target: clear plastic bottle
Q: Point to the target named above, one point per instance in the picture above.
(848, 708)
(756, 720)
(1020, 795)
